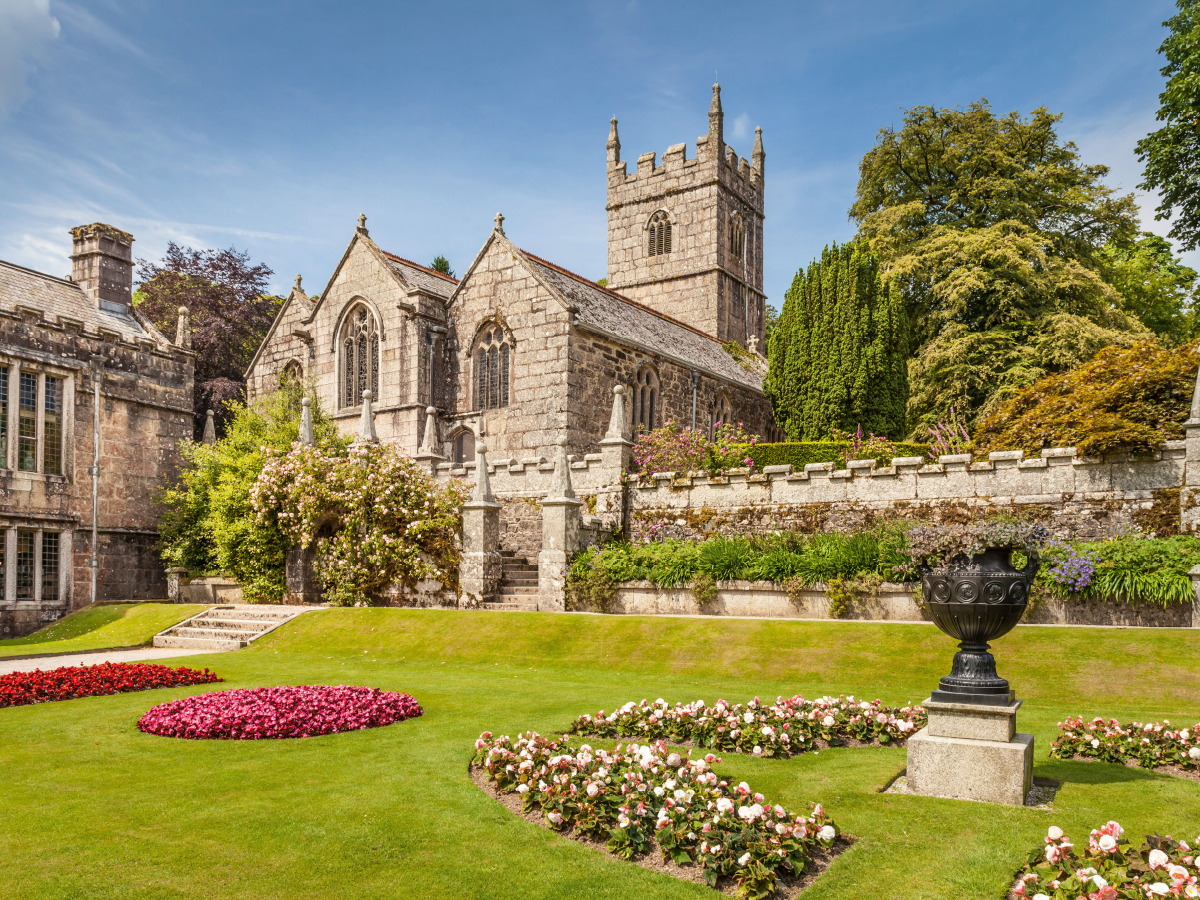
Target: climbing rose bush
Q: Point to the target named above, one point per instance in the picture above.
(785, 728)
(69, 682)
(1150, 744)
(644, 795)
(1109, 868)
(374, 516)
(252, 714)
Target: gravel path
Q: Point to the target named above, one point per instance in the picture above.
(91, 658)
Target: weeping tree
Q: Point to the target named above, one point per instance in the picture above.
(837, 358)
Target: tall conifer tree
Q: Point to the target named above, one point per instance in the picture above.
(838, 356)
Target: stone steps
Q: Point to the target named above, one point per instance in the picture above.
(518, 589)
(504, 606)
(226, 627)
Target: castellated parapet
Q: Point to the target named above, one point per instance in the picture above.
(709, 274)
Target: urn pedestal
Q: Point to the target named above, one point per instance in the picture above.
(971, 751)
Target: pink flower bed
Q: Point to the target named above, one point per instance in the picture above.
(252, 714)
(1109, 868)
(1151, 744)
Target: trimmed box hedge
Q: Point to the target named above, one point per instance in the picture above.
(800, 453)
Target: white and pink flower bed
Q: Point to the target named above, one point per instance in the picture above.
(253, 714)
(1109, 868)
(643, 796)
(1150, 744)
(784, 728)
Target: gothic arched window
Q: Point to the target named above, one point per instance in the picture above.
(658, 241)
(737, 238)
(722, 412)
(464, 447)
(646, 399)
(359, 343)
(493, 361)
(292, 372)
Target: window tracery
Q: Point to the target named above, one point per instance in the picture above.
(659, 234)
(722, 412)
(493, 353)
(646, 399)
(359, 342)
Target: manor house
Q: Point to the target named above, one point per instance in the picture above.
(521, 350)
(79, 362)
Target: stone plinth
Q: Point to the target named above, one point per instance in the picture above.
(560, 536)
(480, 570)
(971, 752)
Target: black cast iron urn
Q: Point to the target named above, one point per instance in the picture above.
(976, 600)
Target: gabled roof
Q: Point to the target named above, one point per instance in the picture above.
(59, 298)
(607, 311)
(422, 277)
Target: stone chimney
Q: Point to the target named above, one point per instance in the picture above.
(102, 265)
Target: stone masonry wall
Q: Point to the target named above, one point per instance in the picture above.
(1073, 496)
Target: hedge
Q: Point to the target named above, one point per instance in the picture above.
(800, 453)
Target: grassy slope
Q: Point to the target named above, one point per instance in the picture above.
(101, 627)
(391, 812)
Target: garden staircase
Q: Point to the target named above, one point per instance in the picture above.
(227, 627)
(518, 585)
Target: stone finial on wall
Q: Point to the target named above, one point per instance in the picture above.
(499, 223)
(758, 159)
(306, 426)
(483, 481)
(561, 523)
(480, 569)
(428, 451)
(716, 120)
(366, 424)
(183, 330)
(614, 144)
(362, 225)
(616, 447)
(210, 429)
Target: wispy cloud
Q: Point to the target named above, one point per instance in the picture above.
(26, 30)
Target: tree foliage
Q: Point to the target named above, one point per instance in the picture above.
(1124, 398)
(1156, 286)
(230, 312)
(441, 264)
(994, 228)
(208, 523)
(1172, 153)
(837, 356)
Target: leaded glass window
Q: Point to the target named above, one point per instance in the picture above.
(25, 564)
(492, 368)
(50, 548)
(360, 357)
(3, 424)
(27, 424)
(52, 449)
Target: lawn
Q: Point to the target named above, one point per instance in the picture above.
(100, 628)
(93, 808)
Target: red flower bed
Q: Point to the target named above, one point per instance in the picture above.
(252, 714)
(68, 682)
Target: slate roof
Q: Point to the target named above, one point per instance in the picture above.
(609, 311)
(422, 277)
(57, 297)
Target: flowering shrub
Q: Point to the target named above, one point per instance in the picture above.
(252, 714)
(1067, 566)
(1109, 869)
(69, 682)
(949, 438)
(785, 728)
(644, 794)
(673, 448)
(1151, 744)
(873, 446)
(375, 517)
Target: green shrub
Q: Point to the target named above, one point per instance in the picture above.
(725, 559)
(208, 524)
(1133, 568)
(801, 453)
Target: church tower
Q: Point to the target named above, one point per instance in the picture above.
(685, 237)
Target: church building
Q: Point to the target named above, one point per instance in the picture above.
(520, 350)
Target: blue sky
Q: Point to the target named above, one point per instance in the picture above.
(271, 126)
